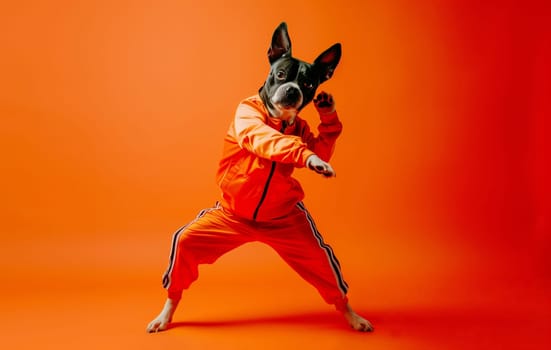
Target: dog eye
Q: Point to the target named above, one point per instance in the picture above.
(308, 85)
(281, 74)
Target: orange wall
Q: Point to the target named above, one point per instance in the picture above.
(113, 114)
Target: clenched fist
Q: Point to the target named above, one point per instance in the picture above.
(324, 103)
(319, 166)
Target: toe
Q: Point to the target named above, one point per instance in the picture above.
(363, 326)
(150, 329)
(153, 327)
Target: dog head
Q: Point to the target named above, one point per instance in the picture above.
(292, 83)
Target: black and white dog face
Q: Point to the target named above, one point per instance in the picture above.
(292, 83)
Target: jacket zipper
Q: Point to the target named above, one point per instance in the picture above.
(267, 185)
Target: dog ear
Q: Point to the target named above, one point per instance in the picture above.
(281, 43)
(327, 62)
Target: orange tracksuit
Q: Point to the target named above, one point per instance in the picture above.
(262, 202)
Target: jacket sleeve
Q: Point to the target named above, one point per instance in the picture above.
(253, 134)
(329, 129)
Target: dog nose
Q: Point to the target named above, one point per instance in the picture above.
(291, 92)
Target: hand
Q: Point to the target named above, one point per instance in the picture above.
(324, 103)
(319, 166)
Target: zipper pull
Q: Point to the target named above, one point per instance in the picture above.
(283, 126)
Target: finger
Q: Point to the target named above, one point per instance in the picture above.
(324, 170)
(329, 172)
(320, 169)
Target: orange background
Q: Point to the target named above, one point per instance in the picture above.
(113, 114)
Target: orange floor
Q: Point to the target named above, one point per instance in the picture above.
(103, 296)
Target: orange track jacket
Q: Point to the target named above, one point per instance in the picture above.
(259, 156)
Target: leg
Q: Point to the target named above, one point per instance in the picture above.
(297, 240)
(202, 241)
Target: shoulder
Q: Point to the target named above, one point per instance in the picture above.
(251, 110)
(255, 102)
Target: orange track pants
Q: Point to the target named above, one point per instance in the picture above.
(215, 231)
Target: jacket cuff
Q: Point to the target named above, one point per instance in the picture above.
(329, 118)
(305, 155)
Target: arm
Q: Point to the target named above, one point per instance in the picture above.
(329, 129)
(253, 134)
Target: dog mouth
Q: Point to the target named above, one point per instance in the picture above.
(286, 105)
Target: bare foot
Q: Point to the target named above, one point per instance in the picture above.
(356, 321)
(161, 322)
